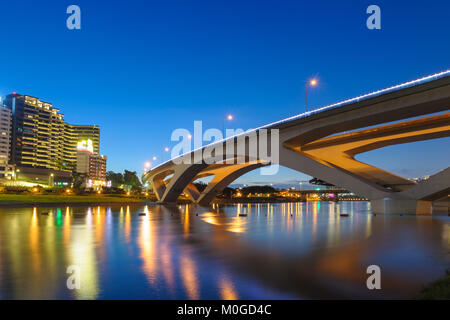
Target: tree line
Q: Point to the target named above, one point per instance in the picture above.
(128, 180)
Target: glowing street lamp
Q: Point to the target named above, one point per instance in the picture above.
(310, 83)
(229, 118)
(154, 158)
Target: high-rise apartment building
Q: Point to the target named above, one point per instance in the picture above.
(6, 170)
(37, 132)
(41, 138)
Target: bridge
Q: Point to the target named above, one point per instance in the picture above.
(323, 143)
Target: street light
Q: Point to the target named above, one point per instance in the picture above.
(229, 118)
(312, 83)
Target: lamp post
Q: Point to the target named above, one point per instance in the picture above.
(147, 166)
(229, 118)
(312, 83)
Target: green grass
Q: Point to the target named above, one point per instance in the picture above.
(438, 290)
(43, 198)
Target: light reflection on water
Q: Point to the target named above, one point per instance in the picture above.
(243, 251)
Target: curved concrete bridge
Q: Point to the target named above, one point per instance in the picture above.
(323, 143)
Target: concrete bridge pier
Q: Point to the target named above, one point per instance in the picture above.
(401, 206)
(417, 199)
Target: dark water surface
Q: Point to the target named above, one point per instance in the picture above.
(277, 251)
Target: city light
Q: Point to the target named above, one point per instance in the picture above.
(312, 83)
(85, 145)
(154, 158)
(166, 149)
(229, 118)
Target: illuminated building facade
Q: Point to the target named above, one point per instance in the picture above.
(37, 133)
(91, 164)
(41, 138)
(6, 170)
(73, 134)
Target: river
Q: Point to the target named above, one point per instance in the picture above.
(255, 251)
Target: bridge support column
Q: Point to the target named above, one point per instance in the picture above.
(222, 178)
(401, 206)
(192, 192)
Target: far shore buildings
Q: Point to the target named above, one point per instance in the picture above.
(42, 146)
(92, 165)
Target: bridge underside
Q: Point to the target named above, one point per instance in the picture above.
(322, 147)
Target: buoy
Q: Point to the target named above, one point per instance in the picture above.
(196, 214)
(242, 214)
(344, 214)
(142, 214)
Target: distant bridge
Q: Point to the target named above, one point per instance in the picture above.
(323, 143)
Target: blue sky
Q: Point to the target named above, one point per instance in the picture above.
(140, 69)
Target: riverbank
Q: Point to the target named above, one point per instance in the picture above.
(254, 200)
(27, 200)
(438, 290)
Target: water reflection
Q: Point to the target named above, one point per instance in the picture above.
(147, 245)
(260, 251)
(227, 290)
(189, 276)
(127, 224)
(81, 252)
